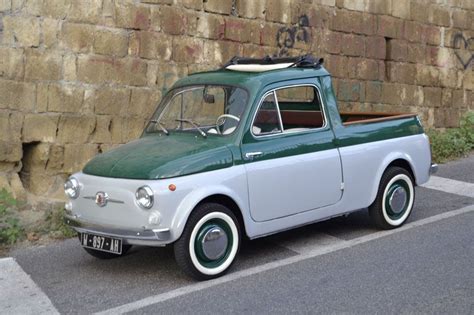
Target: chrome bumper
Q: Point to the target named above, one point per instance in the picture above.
(433, 168)
(155, 237)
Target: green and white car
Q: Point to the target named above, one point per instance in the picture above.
(249, 150)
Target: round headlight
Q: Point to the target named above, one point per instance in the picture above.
(71, 188)
(144, 196)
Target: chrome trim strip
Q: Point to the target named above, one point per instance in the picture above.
(108, 199)
(283, 132)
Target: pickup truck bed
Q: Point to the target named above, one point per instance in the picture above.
(349, 118)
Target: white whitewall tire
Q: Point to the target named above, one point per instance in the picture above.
(395, 199)
(209, 243)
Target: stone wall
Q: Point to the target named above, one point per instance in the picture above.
(78, 77)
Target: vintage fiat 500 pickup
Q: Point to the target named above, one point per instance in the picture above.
(254, 148)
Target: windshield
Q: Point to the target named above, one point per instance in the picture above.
(207, 109)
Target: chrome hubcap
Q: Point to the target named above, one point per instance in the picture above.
(214, 243)
(398, 200)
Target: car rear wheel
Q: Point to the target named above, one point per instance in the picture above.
(209, 243)
(395, 199)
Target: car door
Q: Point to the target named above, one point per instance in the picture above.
(289, 154)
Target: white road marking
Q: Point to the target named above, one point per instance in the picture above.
(310, 253)
(450, 186)
(305, 243)
(18, 292)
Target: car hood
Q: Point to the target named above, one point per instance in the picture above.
(159, 156)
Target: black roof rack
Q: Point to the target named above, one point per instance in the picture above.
(305, 61)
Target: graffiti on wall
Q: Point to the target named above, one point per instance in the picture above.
(287, 37)
(464, 49)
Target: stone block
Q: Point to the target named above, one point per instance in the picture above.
(389, 26)
(57, 9)
(153, 45)
(21, 31)
(102, 132)
(373, 91)
(440, 16)
(65, 98)
(94, 69)
(188, 50)
(40, 127)
(42, 95)
(431, 35)
(113, 43)
(251, 9)
(401, 72)
(218, 6)
(432, 96)
(397, 50)
(11, 63)
(143, 103)
(375, 47)
(69, 67)
(268, 34)
(412, 31)
(11, 124)
(192, 4)
(461, 19)
(75, 128)
(85, 11)
(42, 65)
(353, 45)
(220, 52)
(351, 91)
(427, 75)
(211, 26)
(158, 1)
(108, 101)
(357, 5)
(5, 5)
(77, 37)
(332, 42)
(10, 151)
(50, 29)
(401, 8)
(416, 53)
(392, 93)
(420, 11)
(238, 30)
(132, 128)
(77, 155)
(365, 69)
(278, 11)
(379, 7)
(173, 20)
(132, 16)
(169, 73)
(55, 159)
(17, 95)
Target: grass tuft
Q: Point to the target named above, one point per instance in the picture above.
(453, 143)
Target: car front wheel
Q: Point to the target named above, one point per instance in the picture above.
(209, 243)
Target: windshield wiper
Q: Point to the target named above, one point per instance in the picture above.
(165, 131)
(201, 132)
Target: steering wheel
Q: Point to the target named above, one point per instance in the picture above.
(221, 120)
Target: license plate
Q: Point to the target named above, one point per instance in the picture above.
(102, 243)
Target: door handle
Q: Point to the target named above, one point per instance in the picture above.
(251, 155)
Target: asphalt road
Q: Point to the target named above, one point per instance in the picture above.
(343, 265)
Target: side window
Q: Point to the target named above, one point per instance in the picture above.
(300, 108)
(267, 120)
